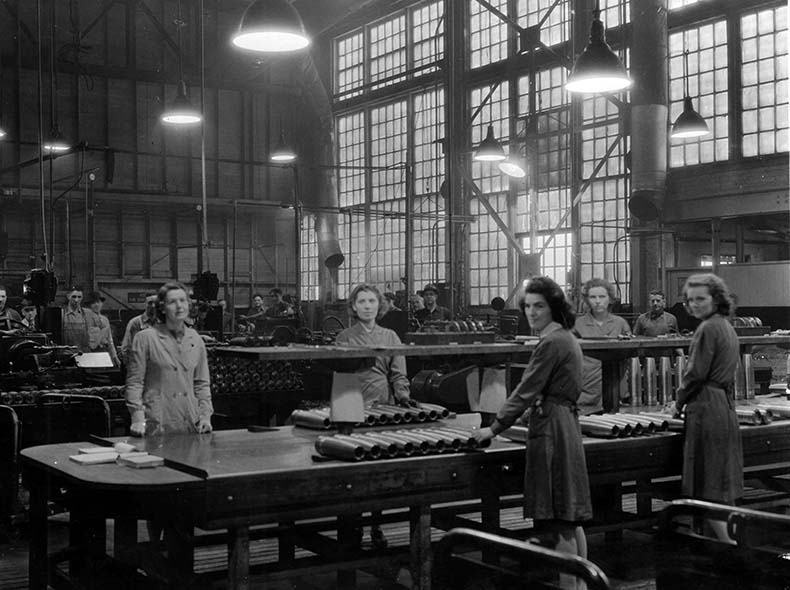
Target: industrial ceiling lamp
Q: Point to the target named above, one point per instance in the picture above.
(489, 149)
(282, 152)
(271, 26)
(2, 133)
(598, 69)
(55, 142)
(689, 123)
(181, 111)
(512, 168)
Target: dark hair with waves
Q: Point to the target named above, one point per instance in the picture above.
(722, 298)
(561, 311)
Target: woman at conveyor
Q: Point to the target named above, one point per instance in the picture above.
(599, 322)
(384, 382)
(712, 452)
(556, 488)
(167, 381)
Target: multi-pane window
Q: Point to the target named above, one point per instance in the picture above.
(487, 33)
(353, 242)
(388, 50)
(707, 86)
(386, 245)
(429, 239)
(388, 151)
(488, 253)
(764, 78)
(427, 35)
(556, 26)
(615, 13)
(309, 259)
(349, 68)
(351, 157)
(555, 262)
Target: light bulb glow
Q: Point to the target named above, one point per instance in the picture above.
(271, 41)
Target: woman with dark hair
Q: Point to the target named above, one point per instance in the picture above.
(556, 487)
(712, 453)
(167, 381)
(599, 322)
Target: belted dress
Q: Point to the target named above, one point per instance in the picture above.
(712, 449)
(556, 484)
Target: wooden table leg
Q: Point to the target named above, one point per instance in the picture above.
(180, 543)
(239, 558)
(38, 557)
(490, 517)
(88, 534)
(348, 537)
(286, 548)
(420, 542)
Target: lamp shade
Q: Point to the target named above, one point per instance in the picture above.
(689, 123)
(282, 152)
(512, 168)
(598, 69)
(55, 142)
(181, 111)
(271, 26)
(2, 133)
(489, 149)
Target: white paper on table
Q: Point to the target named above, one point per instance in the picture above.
(346, 403)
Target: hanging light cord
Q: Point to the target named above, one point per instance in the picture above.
(42, 204)
(205, 244)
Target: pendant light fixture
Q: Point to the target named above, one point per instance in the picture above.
(511, 167)
(181, 111)
(271, 26)
(282, 152)
(598, 69)
(489, 149)
(689, 123)
(54, 142)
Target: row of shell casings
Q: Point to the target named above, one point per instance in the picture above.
(754, 415)
(386, 444)
(9, 398)
(231, 375)
(653, 381)
(378, 415)
(622, 425)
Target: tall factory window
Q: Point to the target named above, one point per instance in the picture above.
(386, 245)
(388, 50)
(309, 259)
(428, 35)
(349, 65)
(556, 28)
(388, 142)
(488, 258)
(488, 247)
(708, 87)
(547, 151)
(764, 81)
(615, 13)
(427, 204)
(556, 260)
(351, 192)
(603, 214)
(352, 236)
(487, 33)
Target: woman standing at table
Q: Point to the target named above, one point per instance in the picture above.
(556, 486)
(712, 452)
(167, 381)
(599, 322)
(384, 382)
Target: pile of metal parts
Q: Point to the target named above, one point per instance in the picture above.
(26, 396)
(386, 444)
(231, 375)
(377, 415)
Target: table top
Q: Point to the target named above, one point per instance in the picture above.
(602, 345)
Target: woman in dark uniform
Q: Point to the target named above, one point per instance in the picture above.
(556, 488)
(712, 452)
